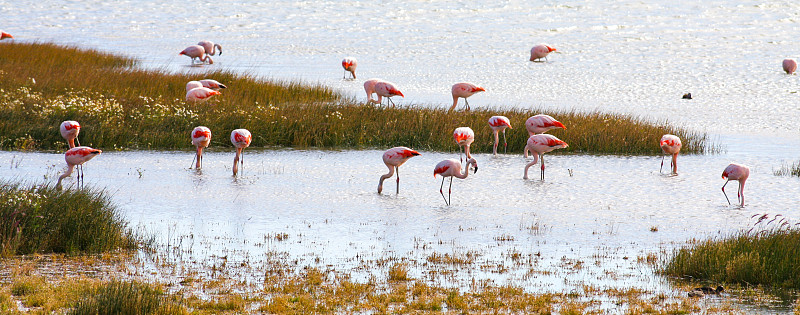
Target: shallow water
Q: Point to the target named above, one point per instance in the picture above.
(326, 202)
(627, 56)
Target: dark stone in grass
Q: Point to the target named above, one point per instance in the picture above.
(687, 96)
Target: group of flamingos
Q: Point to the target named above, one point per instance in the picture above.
(538, 143)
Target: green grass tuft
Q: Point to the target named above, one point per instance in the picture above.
(42, 219)
(118, 297)
(769, 256)
(788, 170)
(121, 106)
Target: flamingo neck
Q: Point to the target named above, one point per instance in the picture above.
(199, 155)
(385, 176)
(675, 163)
(466, 172)
(66, 174)
(71, 143)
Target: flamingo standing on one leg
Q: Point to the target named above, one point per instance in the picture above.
(541, 51)
(393, 158)
(670, 144)
(70, 130)
(464, 137)
(349, 64)
(452, 168)
(197, 51)
(736, 172)
(464, 90)
(241, 139)
(76, 157)
(200, 94)
(539, 145)
(499, 123)
(369, 87)
(542, 123)
(210, 48)
(4, 35)
(789, 65)
(387, 90)
(201, 137)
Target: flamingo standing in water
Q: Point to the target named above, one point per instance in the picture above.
(76, 157)
(542, 123)
(241, 139)
(541, 51)
(670, 144)
(197, 51)
(464, 137)
(539, 145)
(210, 48)
(499, 123)
(201, 137)
(349, 64)
(387, 90)
(369, 87)
(393, 158)
(4, 35)
(464, 90)
(789, 65)
(200, 94)
(452, 168)
(736, 172)
(70, 130)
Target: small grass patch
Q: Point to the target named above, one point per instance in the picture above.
(788, 170)
(127, 297)
(767, 254)
(121, 106)
(42, 219)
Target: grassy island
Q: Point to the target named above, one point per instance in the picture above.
(122, 106)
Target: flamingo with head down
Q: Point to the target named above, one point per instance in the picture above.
(76, 157)
(670, 144)
(241, 139)
(539, 145)
(452, 168)
(789, 65)
(197, 52)
(210, 48)
(393, 158)
(349, 64)
(542, 123)
(200, 94)
(464, 137)
(739, 173)
(499, 123)
(201, 137)
(387, 90)
(541, 51)
(464, 90)
(369, 87)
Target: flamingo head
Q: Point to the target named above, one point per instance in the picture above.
(4, 35)
(474, 165)
(478, 89)
(397, 92)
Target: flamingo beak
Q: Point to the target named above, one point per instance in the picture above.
(401, 94)
(5, 35)
(509, 126)
(550, 49)
(222, 86)
(480, 89)
(476, 168)
(560, 125)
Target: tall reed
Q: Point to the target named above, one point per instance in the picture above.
(768, 255)
(128, 297)
(42, 219)
(122, 106)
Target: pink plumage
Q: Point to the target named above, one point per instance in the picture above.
(196, 51)
(542, 123)
(240, 138)
(670, 144)
(464, 90)
(76, 157)
(499, 123)
(541, 51)
(70, 130)
(200, 94)
(387, 90)
(210, 48)
(739, 173)
(789, 65)
(369, 87)
(452, 168)
(464, 136)
(350, 64)
(538, 145)
(394, 158)
(201, 137)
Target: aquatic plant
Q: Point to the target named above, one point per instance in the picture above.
(121, 106)
(788, 170)
(766, 254)
(42, 219)
(128, 297)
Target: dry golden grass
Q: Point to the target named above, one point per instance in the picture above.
(121, 106)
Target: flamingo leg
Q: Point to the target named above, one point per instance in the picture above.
(440, 191)
(450, 191)
(505, 143)
(389, 100)
(541, 157)
(466, 102)
(344, 74)
(662, 164)
(397, 170)
(77, 141)
(241, 161)
(193, 160)
(723, 191)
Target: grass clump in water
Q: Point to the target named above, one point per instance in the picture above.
(788, 170)
(122, 106)
(42, 219)
(128, 297)
(767, 255)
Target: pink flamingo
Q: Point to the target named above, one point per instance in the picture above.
(212, 84)
(464, 90)
(464, 137)
(789, 65)
(200, 94)
(541, 51)
(670, 144)
(191, 85)
(369, 87)
(210, 48)
(4, 35)
(499, 123)
(201, 137)
(452, 168)
(349, 64)
(70, 130)
(76, 157)
(736, 172)
(393, 158)
(387, 90)
(539, 145)
(542, 123)
(241, 139)
(197, 51)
